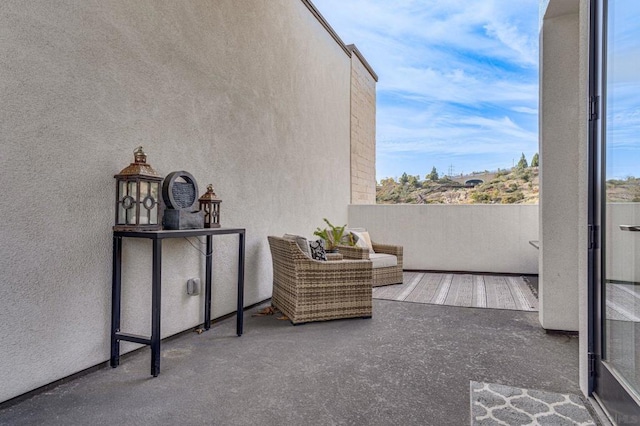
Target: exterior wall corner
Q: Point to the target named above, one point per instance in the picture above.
(363, 130)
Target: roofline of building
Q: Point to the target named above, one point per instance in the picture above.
(354, 50)
(350, 49)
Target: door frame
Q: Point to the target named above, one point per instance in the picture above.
(604, 384)
(594, 218)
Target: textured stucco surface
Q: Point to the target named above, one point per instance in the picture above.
(250, 95)
(480, 238)
(363, 133)
(561, 171)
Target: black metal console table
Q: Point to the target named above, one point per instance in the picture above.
(157, 237)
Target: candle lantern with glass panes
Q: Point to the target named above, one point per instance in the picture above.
(138, 205)
(210, 204)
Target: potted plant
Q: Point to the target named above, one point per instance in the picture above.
(331, 235)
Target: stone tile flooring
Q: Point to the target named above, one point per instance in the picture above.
(493, 404)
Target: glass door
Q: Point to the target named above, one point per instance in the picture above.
(617, 309)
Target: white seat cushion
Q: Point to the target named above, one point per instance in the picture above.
(382, 260)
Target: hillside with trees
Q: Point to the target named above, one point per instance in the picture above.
(623, 190)
(518, 185)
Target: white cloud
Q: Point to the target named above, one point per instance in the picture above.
(457, 86)
(511, 37)
(457, 77)
(525, 110)
(448, 132)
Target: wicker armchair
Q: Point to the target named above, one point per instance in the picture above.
(310, 290)
(381, 276)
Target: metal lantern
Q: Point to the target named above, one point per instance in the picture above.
(210, 204)
(138, 205)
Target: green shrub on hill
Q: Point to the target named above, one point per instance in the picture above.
(503, 186)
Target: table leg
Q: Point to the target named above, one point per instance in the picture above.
(207, 285)
(116, 285)
(155, 307)
(240, 311)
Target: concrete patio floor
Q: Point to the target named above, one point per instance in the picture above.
(410, 364)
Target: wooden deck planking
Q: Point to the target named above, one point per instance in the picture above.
(522, 294)
(531, 297)
(452, 293)
(466, 290)
(426, 290)
(479, 292)
(410, 288)
(492, 292)
(391, 292)
(461, 292)
(443, 289)
(504, 299)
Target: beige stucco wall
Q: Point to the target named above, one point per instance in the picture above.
(250, 95)
(363, 133)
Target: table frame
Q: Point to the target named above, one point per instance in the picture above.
(156, 284)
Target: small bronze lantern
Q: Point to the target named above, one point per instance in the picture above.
(138, 205)
(210, 204)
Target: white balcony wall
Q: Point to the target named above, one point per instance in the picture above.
(478, 238)
(252, 96)
(623, 263)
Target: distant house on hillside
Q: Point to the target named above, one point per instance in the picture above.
(473, 182)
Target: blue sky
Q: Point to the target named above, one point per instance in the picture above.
(458, 80)
(623, 90)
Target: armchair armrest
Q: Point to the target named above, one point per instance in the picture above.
(338, 272)
(350, 252)
(387, 249)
